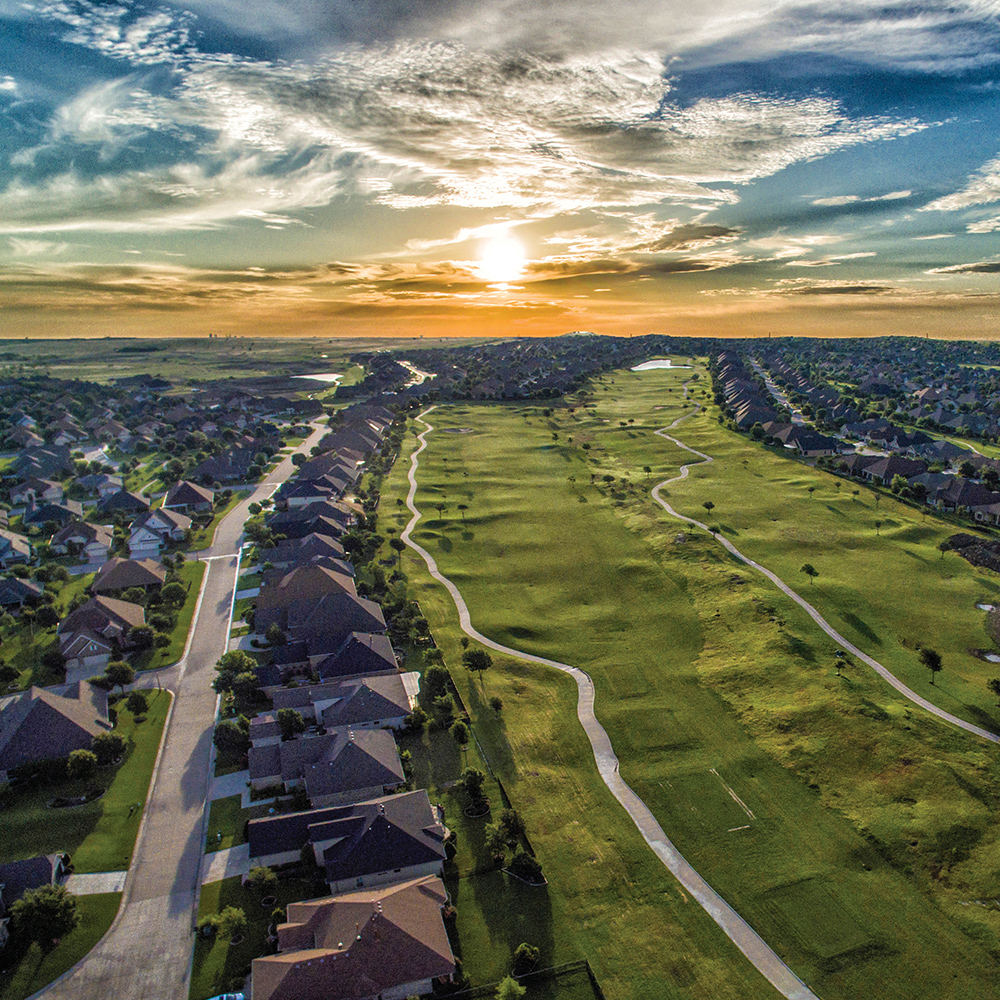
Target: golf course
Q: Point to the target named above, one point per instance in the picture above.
(847, 826)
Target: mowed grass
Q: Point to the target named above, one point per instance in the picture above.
(191, 575)
(101, 834)
(885, 588)
(35, 967)
(588, 574)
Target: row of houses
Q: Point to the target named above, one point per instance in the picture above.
(381, 850)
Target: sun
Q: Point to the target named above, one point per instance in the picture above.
(501, 261)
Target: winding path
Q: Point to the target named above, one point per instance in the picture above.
(735, 927)
(882, 671)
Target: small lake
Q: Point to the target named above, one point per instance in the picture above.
(322, 377)
(659, 363)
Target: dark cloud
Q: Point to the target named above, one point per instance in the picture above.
(979, 267)
(691, 237)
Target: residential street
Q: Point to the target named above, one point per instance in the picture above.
(148, 951)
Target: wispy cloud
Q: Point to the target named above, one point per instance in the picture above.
(978, 267)
(982, 188)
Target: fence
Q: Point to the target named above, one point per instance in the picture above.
(553, 972)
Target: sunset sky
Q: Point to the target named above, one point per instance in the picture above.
(436, 167)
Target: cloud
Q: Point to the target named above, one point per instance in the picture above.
(691, 237)
(981, 188)
(406, 124)
(850, 199)
(979, 267)
(936, 236)
(8, 85)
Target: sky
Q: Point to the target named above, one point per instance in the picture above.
(499, 167)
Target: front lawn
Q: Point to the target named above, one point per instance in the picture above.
(191, 574)
(220, 966)
(203, 537)
(226, 817)
(101, 834)
(27, 971)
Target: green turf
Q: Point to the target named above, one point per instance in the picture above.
(101, 834)
(203, 537)
(678, 639)
(191, 574)
(36, 968)
(226, 817)
(220, 966)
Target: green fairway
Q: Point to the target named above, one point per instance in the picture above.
(101, 834)
(698, 666)
(35, 968)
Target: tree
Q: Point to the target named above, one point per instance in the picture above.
(944, 547)
(290, 722)
(231, 736)
(810, 490)
(810, 571)
(967, 470)
(274, 635)
(246, 686)
(477, 660)
(471, 782)
(525, 958)
(231, 922)
(142, 637)
(45, 914)
(878, 524)
(496, 703)
(8, 673)
(107, 746)
(81, 765)
(460, 733)
(509, 989)
(931, 659)
(137, 703)
(709, 506)
(119, 673)
(173, 594)
(436, 680)
(994, 685)
(262, 880)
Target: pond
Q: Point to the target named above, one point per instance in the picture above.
(658, 363)
(322, 377)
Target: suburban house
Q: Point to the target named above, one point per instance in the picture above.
(42, 725)
(15, 593)
(366, 702)
(123, 502)
(335, 767)
(189, 497)
(376, 842)
(390, 943)
(154, 529)
(89, 635)
(99, 484)
(34, 490)
(118, 574)
(299, 551)
(90, 542)
(14, 548)
(57, 513)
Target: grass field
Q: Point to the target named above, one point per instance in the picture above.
(36, 968)
(101, 834)
(220, 966)
(873, 807)
(202, 539)
(191, 574)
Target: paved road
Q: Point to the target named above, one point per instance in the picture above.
(148, 951)
(882, 671)
(735, 927)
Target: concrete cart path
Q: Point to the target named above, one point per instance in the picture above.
(150, 947)
(764, 959)
(882, 671)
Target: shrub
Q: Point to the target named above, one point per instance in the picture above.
(107, 746)
(45, 914)
(525, 958)
(81, 764)
(262, 880)
(526, 867)
(137, 703)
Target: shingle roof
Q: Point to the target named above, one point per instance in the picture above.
(358, 944)
(118, 573)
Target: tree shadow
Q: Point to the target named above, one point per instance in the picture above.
(861, 627)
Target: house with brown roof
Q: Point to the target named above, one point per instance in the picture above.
(42, 725)
(118, 574)
(389, 942)
(151, 532)
(188, 496)
(89, 636)
(334, 768)
(35, 490)
(90, 542)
